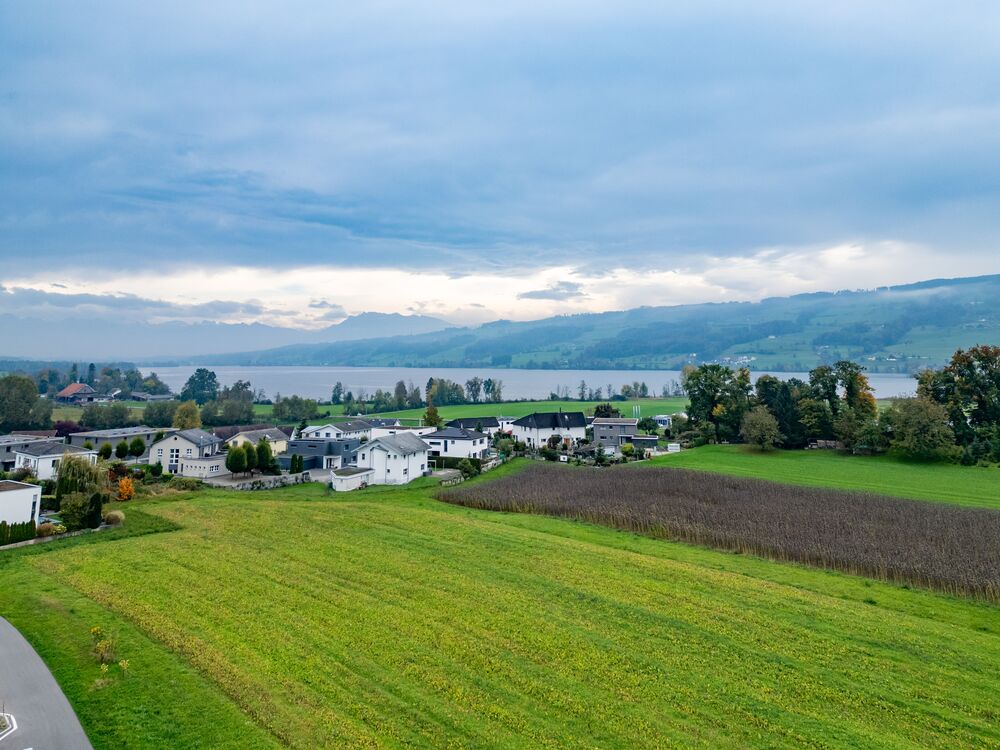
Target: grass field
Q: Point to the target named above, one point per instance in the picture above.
(973, 486)
(649, 407)
(387, 619)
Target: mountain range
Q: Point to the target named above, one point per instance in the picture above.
(889, 329)
(86, 339)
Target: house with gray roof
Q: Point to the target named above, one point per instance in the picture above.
(455, 442)
(488, 425)
(43, 458)
(189, 453)
(611, 433)
(395, 459)
(320, 454)
(10, 444)
(97, 438)
(535, 430)
(277, 439)
(355, 428)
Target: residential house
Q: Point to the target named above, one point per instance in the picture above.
(354, 428)
(19, 502)
(536, 429)
(488, 425)
(611, 433)
(77, 393)
(320, 454)
(396, 459)
(382, 422)
(97, 438)
(454, 442)
(42, 458)
(664, 421)
(378, 432)
(277, 439)
(190, 453)
(11, 444)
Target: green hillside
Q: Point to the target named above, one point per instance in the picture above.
(892, 329)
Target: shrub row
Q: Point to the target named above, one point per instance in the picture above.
(16, 532)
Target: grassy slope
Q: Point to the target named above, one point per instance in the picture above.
(164, 702)
(963, 485)
(386, 618)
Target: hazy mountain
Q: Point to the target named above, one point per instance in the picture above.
(890, 329)
(83, 338)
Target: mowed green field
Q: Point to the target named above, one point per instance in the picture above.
(973, 486)
(648, 407)
(384, 618)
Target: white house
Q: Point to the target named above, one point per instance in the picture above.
(43, 458)
(97, 438)
(397, 459)
(11, 444)
(379, 432)
(19, 502)
(184, 452)
(536, 429)
(454, 442)
(355, 428)
(664, 421)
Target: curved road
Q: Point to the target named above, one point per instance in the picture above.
(29, 692)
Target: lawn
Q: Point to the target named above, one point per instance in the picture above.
(648, 407)
(974, 486)
(384, 618)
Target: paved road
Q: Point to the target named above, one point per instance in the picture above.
(45, 720)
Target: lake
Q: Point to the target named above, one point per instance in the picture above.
(317, 382)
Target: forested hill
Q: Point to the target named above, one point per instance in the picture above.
(891, 329)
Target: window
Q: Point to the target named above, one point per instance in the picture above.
(187, 452)
(159, 452)
(34, 508)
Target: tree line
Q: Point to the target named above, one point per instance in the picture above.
(955, 414)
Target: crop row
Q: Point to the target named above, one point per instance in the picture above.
(934, 545)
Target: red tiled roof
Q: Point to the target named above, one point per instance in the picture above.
(74, 388)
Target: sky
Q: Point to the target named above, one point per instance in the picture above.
(294, 163)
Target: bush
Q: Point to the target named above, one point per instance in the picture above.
(185, 484)
(156, 469)
(16, 532)
(467, 468)
(45, 529)
(114, 517)
(50, 503)
(126, 489)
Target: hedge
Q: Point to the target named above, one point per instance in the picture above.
(16, 532)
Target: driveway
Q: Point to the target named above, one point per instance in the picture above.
(28, 692)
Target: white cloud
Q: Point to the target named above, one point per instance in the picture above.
(310, 296)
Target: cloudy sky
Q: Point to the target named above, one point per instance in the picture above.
(296, 162)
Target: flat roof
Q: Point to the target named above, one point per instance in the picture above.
(4, 439)
(349, 471)
(7, 485)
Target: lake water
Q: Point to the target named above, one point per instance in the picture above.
(317, 382)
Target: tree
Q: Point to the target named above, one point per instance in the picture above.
(250, 452)
(201, 387)
(581, 390)
(648, 425)
(186, 416)
(760, 428)
(91, 374)
(121, 450)
(337, 395)
(627, 451)
(21, 407)
(918, 429)
(160, 413)
(236, 460)
(399, 395)
(719, 397)
(105, 451)
(265, 456)
(431, 416)
(858, 432)
(467, 468)
(606, 411)
(77, 476)
(137, 447)
(105, 416)
(474, 389)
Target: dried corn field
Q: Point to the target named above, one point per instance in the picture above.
(935, 545)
